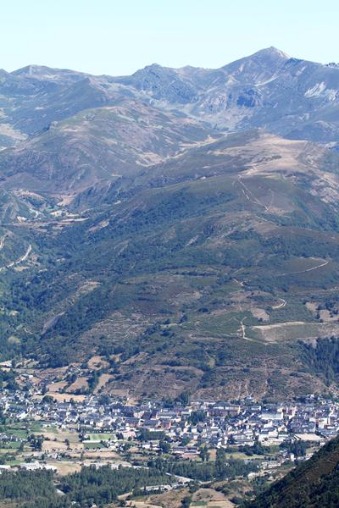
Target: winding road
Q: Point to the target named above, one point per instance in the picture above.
(21, 259)
(323, 263)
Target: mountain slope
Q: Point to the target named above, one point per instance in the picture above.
(99, 144)
(312, 484)
(135, 226)
(200, 269)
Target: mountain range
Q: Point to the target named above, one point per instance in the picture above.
(179, 225)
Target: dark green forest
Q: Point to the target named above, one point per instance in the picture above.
(312, 484)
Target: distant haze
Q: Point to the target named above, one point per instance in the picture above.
(117, 38)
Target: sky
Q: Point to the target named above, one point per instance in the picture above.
(118, 37)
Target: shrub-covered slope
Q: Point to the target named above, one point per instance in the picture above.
(312, 484)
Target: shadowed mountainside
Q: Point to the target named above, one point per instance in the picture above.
(310, 485)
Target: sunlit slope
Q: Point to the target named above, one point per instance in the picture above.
(203, 274)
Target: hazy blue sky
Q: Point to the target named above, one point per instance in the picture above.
(118, 37)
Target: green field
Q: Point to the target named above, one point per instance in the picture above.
(94, 446)
(102, 437)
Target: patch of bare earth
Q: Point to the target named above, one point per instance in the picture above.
(79, 384)
(212, 497)
(326, 316)
(260, 314)
(280, 331)
(170, 499)
(65, 468)
(54, 446)
(57, 387)
(103, 380)
(312, 306)
(97, 363)
(66, 397)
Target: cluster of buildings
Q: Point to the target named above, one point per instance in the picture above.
(185, 429)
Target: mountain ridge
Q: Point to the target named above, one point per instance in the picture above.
(249, 90)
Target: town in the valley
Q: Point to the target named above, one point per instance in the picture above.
(65, 432)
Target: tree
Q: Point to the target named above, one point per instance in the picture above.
(185, 503)
(183, 398)
(196, 417)
(47, 399)
(220, 463)
(164, 446)
(36, 442)
(204, 453)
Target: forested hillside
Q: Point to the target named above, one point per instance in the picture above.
(312, 484)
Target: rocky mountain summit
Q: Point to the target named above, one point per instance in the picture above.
(269, 89)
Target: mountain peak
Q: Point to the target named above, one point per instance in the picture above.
(153, 68)
(32, 70)
(272, 52)
(259, 66)
(44, 73)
